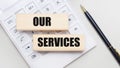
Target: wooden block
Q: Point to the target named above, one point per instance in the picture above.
(46, 22)
(50, 42)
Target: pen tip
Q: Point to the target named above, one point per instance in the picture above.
(83, 9)
(118, 51)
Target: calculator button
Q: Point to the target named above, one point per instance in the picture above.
(33, 32)
(54, 12)
(43, 53)
(30, 7)
(28, 48)
(14, 32)
(10, 22)
(29, 34)
(64, 9)
(36, 12)
(42, 1)
(48, 9)
(23, 39)
(59, 3)
(71, 19)
(34, 56)
(76, 30)
(20, 11)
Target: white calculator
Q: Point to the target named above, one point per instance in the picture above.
(23, 39)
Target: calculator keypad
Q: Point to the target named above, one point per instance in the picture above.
(24, 38)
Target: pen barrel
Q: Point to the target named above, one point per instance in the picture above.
(115, 54)
(103, 37)
(99, 31)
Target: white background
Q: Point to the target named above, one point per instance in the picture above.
(107, 15)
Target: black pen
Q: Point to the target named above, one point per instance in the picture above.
(101, 34)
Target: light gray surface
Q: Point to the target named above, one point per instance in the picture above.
(105, 12)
